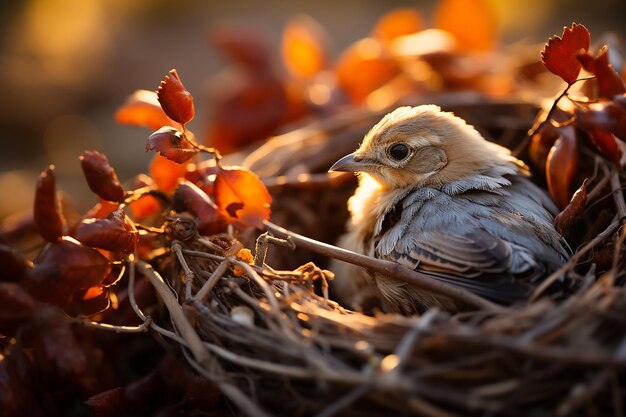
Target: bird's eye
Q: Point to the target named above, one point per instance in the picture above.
(399, 151)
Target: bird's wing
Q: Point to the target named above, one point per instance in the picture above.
(475, 260)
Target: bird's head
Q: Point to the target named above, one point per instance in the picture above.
(422, 146)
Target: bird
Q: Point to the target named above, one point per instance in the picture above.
(435, 196)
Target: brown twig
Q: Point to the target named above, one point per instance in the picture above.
(388, 268)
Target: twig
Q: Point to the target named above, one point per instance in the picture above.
(345, 401)
(387, 268)
(142, 328)
(262, 244)
(571, 262)
(221, 269)
(618, 196)
(176, 313)
(189, 275)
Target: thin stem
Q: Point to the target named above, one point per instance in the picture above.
(204, 292)
(189, 275)
(142, 328)
(387, 268)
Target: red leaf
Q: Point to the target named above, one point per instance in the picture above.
(55, 347)
(16, 307)
(398, 22)
(241, 197)
(190, 198)
(562, 166)
(101, 177)
(12, 263)
(166, 173)
(63, 268)
(565, 219)
(111, 402)
(607, 145)
(609, 82)
(172, 144)
(244, 46)
(115, 233)
(175, 100)
(540, 145)
(142, 108)
(304, 47)
(47, 213)
(559, 54)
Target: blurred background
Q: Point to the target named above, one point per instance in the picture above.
(67, 65)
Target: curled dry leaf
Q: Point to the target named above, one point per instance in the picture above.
(562, 165)
(241, 197)
(540, 145)
(574, 210)
(189, 197)
(13, 263)
(166, 173)
(63, 268)
(142, 108)
(365, 66)
(172, 144)
(175, 100)
(472, 22)
(46, 212)
(115, 233)
(304, 47)
(398, 22)
(608, 81)
(16, 307)
(606, 143)
(560, 53)
(101, 177)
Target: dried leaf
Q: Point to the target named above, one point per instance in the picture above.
(562, 166)
(16, 307)
(574, 210)
(190, 198)
(606, 143)
(166, 173)
(55, 347)
(398, 22)
(12, 263)
(172, 144)
(142, 108)
(609, 82)
(101, 177)
(63, 268)
(47, 212)
(89, 302)
(241, 197)
(115, 233)
(365, 66)
(175, 100)
(109, 403)
(101, 209)
(304, 47)
(560, 53)
(472, 22)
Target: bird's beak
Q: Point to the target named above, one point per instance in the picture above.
(349, 164)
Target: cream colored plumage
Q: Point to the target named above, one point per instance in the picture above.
(437, 197)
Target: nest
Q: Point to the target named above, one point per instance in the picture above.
(276, 343)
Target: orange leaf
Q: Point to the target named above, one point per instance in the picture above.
(175, 100)
(243, 46)
(363, 67)
(166, 173)
(304, 47)
(241, 197)
(609, 82)
(115, 233)
(540, 145)
(562, 166)
(101, 177)
(565, 219)
(101, 209)
(172, 144)
(46, 212)
(472, 22)
(145, 206)
(142, 108)
(398, 22)
(560, 53)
